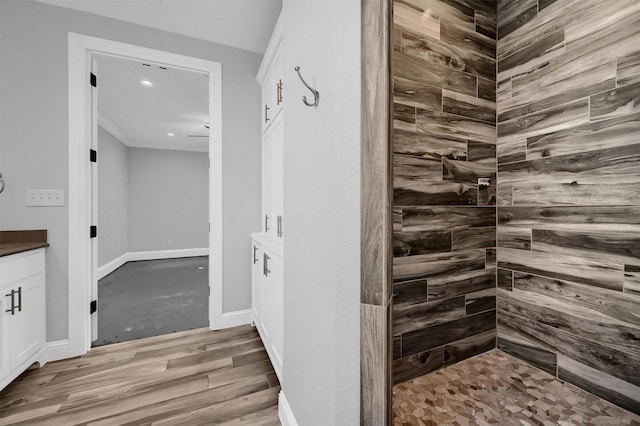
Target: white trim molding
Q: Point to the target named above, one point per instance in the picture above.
(234, 319)
(54, 351)
(112, 128)
(81, 274)
(135, 256)
(109, 267)
(167, 254)
(284, 411)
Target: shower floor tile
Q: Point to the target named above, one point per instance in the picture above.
(497, 389)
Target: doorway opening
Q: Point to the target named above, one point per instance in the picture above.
(152, 199)
(83, 129)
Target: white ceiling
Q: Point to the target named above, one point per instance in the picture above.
(142, 116)
(244, 24)
(178, 102)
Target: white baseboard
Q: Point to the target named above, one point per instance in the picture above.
(284, 411)
(167, 254)
(109, 267)
(233, 319)
(54, 351)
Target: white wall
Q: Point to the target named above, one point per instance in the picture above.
(34, 135)
(168, 199)
(113, 191)
(322, 212)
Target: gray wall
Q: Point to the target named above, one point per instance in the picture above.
(168, 199)
(150, 199)
(113, 190)
(34, 134)
(322, 213)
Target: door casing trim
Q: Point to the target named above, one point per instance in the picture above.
(81, 47)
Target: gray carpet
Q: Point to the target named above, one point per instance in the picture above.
(153, 297)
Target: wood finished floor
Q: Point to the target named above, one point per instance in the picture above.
(188, 378)
(497, 389)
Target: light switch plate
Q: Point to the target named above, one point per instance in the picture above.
(45, 197)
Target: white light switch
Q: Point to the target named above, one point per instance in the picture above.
(45, 197)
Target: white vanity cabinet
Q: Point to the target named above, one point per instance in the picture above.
(22, 319)
(267, 246)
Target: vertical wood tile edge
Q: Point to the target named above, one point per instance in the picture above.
(376, 213)
(376, 188)
(375, 365)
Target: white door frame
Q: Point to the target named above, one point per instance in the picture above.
(81, 47)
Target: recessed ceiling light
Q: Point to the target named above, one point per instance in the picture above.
(170, 134)
(146, 83)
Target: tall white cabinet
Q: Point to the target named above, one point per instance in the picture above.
(267, 255)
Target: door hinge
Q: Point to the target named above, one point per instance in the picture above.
(93, 155)
(94, 80)
(93, 231)
(93, 307)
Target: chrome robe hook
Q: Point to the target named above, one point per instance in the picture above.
(316, 94)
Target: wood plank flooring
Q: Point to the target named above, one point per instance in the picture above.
(497, 389)
(188, 378)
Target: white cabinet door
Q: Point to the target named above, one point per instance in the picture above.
(256, 275)
(277, 177)
(27, 325)
(271, 308)
(277, 83)
(268, 220)
(266, 297)
(268, 96)
(5, 304)
(277, 324)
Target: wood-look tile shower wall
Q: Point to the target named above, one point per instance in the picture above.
(444, 139)
(569, 191)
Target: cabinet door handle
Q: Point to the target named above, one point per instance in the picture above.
(13, 302)
(266, 223)
(279, 91)
(266, 113)
(255, 249)
(280, 226)
(19, 299)
(265, 265)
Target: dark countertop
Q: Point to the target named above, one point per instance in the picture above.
(7, 249)
(12, 242)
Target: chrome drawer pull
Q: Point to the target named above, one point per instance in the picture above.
(13, 302)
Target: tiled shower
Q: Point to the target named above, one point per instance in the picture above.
(516, 175)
